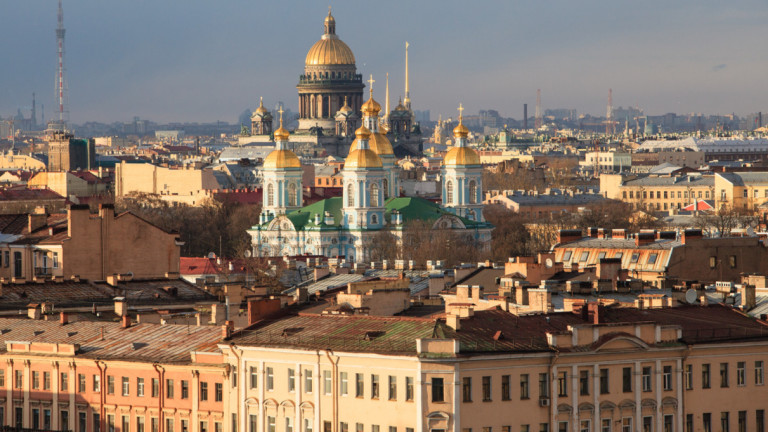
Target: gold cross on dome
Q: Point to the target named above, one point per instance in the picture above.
(371, 81)
(281, 114)
(461, 110)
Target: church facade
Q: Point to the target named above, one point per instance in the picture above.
(346, 226)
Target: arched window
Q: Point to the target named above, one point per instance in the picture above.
(449, 192)
(385, 186)
(374, 195)
(472, 192)
(292, 194)
(350, 195)
(374, 219)
(270, 194)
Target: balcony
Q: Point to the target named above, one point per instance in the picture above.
(43, 271)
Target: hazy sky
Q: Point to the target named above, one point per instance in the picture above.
(203, 60)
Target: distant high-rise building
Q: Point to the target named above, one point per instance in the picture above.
(67, 153)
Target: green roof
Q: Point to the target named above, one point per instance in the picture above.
(411, 208)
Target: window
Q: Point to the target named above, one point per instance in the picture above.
(270, 194)
(543, 427)
(605, 425)
(270, 379)
(688, 377)
(604, 382)
(473, 192)
(712, 262)
(544, 385)
(82, 422)
(741, 373)
(759, 372)
(359, 427)
(111, 423)
(289, 424)
(486, 389)
(705, 376)
(732, 261)
(184, 425)
(219, 392)
(110, 384)
(585, 426)
(626, 424)
(374, 386)
(652, 258)
(203, 391)
(626, 380)
(647, 424)
(139, 386)
(706, 422)
(253, 423)
(562, 426)
(126, 386)
(562, 384)
(308, 380)
(126, 424)
(350, 195)
(584, 256)
(155, 387)
(635, 257)
(742, 421)
(327, 382)
(291, 380)
(689, 423)
(449, 192)
(169, 424)
(270, 424)
(567, 256)
(184, 389)
(374, 195)
(140, 424)
(35, 380)
(584, 383)
(254, 378)
(169, 389)
(725, 424)
(505, 388)
(408, 388)
(81, 383)
(437, 390)
(667, 377)
(760, 420)
(600, 256)
(343, 383)
(723, 374)
(19, 379)
(96, 383)
(392, 392)
(359, 385)
(618, 255)
(292, 201)
(154, 424)
(343, 427)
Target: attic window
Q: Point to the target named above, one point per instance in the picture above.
(370, 335)
(567, 256)
(290, 331)
(138, 345)
(70, 334)
(38, 332)
(498, 336)
(4, 331)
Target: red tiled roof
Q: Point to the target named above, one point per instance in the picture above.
(23, 193)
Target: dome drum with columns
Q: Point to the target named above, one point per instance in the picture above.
(330, 76)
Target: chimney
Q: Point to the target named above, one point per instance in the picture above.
(121, 306)
(37, 219)
(64, 318)
(619, 233)
(33, 311)
(453, 321)
(477, 292)
(645, 238)
(77, 217)
(748, 300)
(227, 329)
(567, 236)
(691, 234)
(593, 232)
(125, 321)
(107, 211)
(593, 312)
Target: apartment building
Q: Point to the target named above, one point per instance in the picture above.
(110, 376)
(741, 190)
(689, 368)
(658, 192)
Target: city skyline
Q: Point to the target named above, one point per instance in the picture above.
(195, 62)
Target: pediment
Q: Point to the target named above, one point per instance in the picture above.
(281, 223)
(620, 342)
(448, 222)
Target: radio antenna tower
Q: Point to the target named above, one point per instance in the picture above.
(538, 122)
(610, 128)
(60, 84)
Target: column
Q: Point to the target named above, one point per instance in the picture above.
(55, 393)
(658, 394)
(456, 399)
(638, 395)
(575, 398)
(9, 384)
(596, 398)
(25, 393)
(419, 392)
(679, 379)
(553, 397)
(71, 382)
(194, 425)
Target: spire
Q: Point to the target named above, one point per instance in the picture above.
(281, 134)
(386, 100)
(330, 23)
(407, 91)
(461, 132)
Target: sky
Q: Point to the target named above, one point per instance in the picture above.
(203, 61)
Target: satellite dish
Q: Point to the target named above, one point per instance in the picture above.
(691, 295)
(211, 255)
(548, 262)
(247, 254)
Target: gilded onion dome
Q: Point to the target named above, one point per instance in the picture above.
(378, 142)
(346, 109)
(461, 156)
(365, 157)
(460, 131)
(261, 109)
(330, 50)
(281, 157)
(371, 107)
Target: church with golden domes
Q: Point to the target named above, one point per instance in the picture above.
(330, 93)
(346, 226)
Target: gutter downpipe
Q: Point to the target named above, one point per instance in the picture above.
(334, 387)
(161, 397)
(552, 408)
(102, 366)
(233, 348)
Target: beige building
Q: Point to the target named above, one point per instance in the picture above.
(741, 190)
(184, 185)
(70, 184)
(10, 161)
(658, 192)
(691, 368)
(88, 246)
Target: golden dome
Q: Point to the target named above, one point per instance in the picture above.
(377, 142)
(261, 109)
(461, 156)
(363, 133)
(281, 134)
(460, 131)
(330, 51)
(346, 108)
(278, 159)
(365, 158)
(371, 107)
